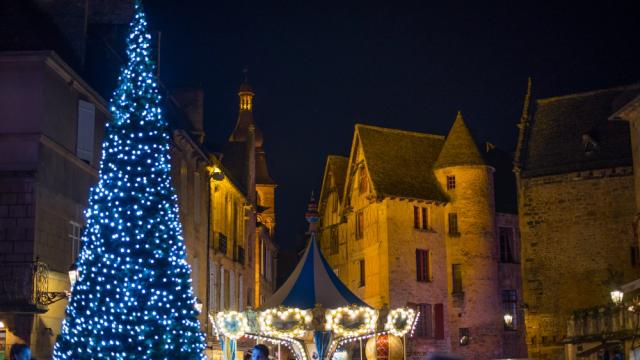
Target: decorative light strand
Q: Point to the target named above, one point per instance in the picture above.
(232, 324)
(400, 321)
(269, 319)
(366, 317)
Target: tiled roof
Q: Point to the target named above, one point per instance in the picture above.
(572, 133)
(459, 147)
(400, 163)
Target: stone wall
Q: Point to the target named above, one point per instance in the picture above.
(479, 307)
(577, 234)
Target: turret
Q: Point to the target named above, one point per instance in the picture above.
(476, 315)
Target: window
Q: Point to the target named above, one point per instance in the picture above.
(451, 182)
(333, 241)
(420, 217)
(362, 181)
(464, 336)
(334, 202)
(75, 234)
(510, 306)
(222, 243)
(183, 184)
(359, 225)
(456, 277)
(635, 256)
(424, 327)
(85, 136)
(362, 274)
(423, 265)
(430, 321)
(453, 224)
(507, 245)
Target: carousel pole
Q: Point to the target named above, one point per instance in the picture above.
(360, 349)
(404, 347)
(375, 345)
(279, 358)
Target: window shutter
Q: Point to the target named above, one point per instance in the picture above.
(425, 217)
(438, 311)
(416, 217)
(85, 135)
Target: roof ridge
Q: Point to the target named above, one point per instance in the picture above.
(399, 131)
(589, 93)
(337, 156)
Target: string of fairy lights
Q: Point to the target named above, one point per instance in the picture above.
(286, 325)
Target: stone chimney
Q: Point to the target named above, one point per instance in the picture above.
(191, 101)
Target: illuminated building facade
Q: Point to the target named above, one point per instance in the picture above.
(414, 219)
(577, 188)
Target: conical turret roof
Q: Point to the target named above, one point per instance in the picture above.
(459, 147)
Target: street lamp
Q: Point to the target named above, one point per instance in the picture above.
(616, 297)
(198, 305)
(73, 274)
(1, 325)
(508, 320)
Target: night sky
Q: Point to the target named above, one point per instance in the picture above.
(319, 68)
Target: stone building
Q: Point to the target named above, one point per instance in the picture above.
(51, 132)
(50, 137)
(576, 200)
(412, 219)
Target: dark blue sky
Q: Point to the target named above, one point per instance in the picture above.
(319, 68)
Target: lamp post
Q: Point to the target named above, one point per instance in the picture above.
(617, 296)
(508, 321)
(215, 174)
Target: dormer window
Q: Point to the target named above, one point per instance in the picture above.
(362, 181)
(590, 144)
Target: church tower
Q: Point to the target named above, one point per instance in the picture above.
(244, 156)
(475, 314)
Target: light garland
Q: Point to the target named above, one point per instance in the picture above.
(366, 317)
(267, 320)
(232, 324)
(400, 321)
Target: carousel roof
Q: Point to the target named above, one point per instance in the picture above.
(313, 282)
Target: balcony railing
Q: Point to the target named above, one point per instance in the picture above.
(24, 287)
(612, 322)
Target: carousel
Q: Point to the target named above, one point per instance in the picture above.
(317, 317)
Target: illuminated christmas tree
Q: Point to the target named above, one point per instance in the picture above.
(133, 298)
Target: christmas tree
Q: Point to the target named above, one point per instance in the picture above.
(133, 298)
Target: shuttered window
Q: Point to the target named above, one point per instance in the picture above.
(423, 265)
(362, 274)
(456, 274)
(86, 126)
(453, 224)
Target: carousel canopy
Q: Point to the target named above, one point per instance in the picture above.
(313, 282)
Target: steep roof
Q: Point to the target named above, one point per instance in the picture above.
(337, 165)
(459, 148)
(400, 162)
(571, 133)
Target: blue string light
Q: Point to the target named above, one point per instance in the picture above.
(133, 298)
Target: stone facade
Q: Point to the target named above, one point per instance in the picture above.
(43, 187)
(575, 196)
(376, 227)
